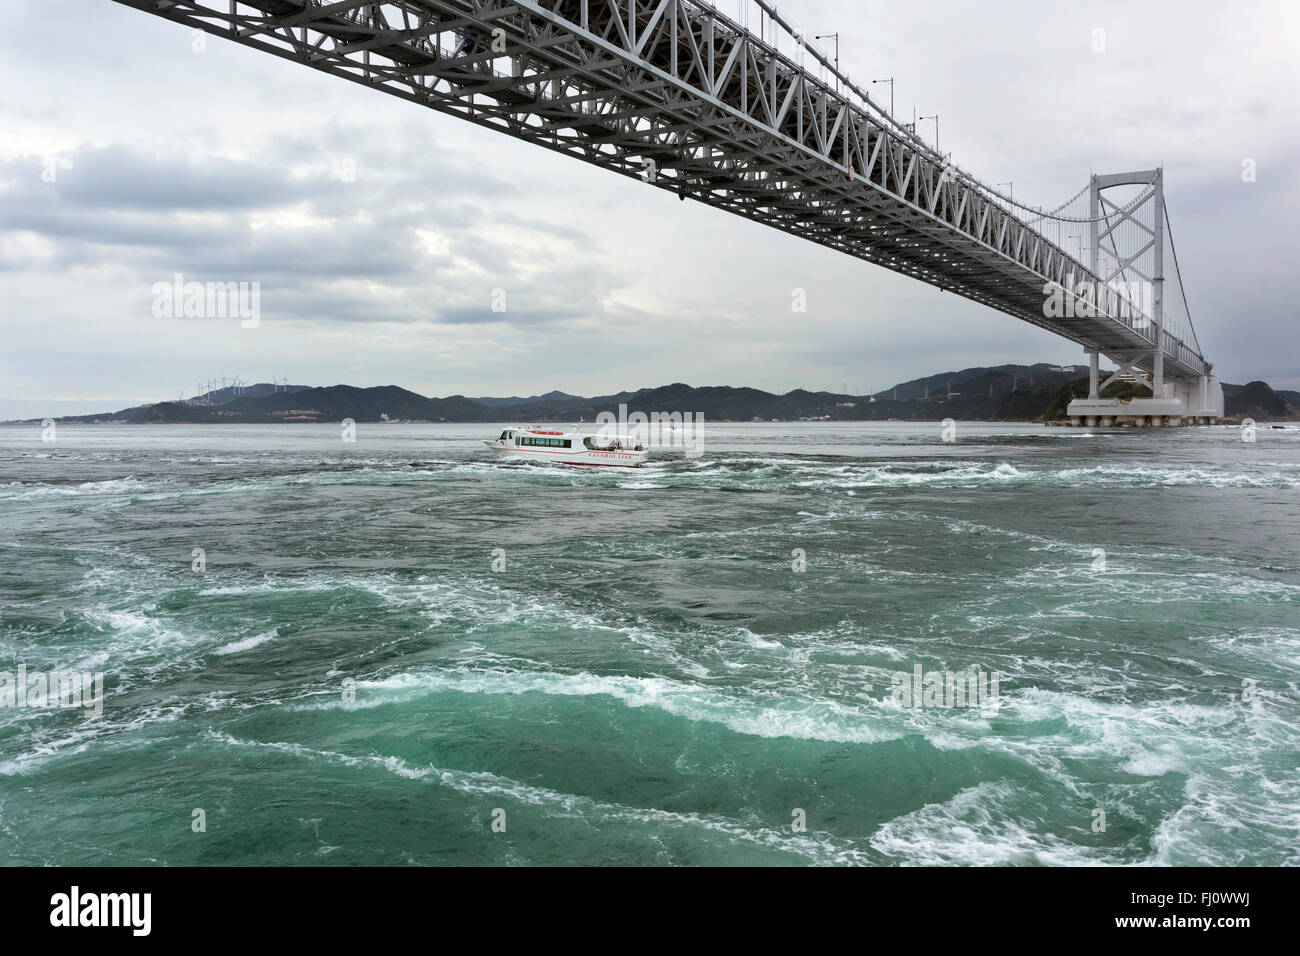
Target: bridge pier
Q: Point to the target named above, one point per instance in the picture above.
(1185, 402)
(1176, 400)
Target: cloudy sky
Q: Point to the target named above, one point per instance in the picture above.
(378, 230)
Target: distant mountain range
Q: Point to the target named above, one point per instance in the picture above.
(1000, 393)
(548, 397)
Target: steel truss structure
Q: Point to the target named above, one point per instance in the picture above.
(681, 96)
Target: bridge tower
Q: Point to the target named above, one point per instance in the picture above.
(1126, 255)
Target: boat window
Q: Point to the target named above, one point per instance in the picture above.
(504, 436)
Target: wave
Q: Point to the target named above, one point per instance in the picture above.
(823, 720)
(725, 473)
(247, 644)
(816, 849)
(980, 826)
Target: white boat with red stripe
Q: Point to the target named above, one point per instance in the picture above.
(573, 447)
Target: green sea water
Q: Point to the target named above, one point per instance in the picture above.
(398, 651)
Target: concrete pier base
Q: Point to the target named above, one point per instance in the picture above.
(1195, 402)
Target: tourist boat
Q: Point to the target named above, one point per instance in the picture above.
(543, 443)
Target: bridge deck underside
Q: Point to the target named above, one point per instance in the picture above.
(724, 117)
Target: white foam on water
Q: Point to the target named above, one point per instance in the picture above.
(1277, 647)
(22, 491)
(385, 473)
(821, 850)
(975, 474)
(477, 607)
(105, 734)
(1131, 582)
(134, 635)
(809, 719)
(1261, 824)
(279, 586)
(982, 825)
(1230, 755)
(248, 643)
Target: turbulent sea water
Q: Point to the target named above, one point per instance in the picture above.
(648, 680)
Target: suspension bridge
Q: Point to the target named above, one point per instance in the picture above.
(746, 113)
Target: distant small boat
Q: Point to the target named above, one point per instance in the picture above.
(540, 443)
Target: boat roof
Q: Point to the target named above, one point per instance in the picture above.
(545, 429)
